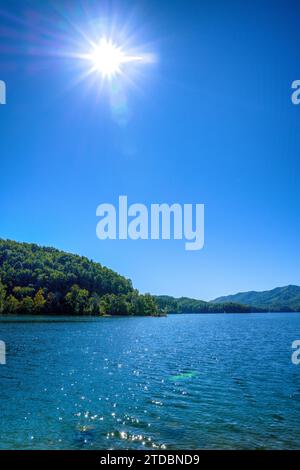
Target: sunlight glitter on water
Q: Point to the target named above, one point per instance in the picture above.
(140, 383)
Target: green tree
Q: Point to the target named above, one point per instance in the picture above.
(53, 304)
(12, 305)
(39, 301)
(2, 297)
(27, 305)
(103, 306)
(21, 292)
(94, 305)
(149, 305)
(77, 300)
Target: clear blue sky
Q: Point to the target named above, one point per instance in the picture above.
(210, 122)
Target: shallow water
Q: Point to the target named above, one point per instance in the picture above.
(181, 382)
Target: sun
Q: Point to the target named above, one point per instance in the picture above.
(107, 58)
(115, 62)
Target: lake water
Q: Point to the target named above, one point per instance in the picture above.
(181, 382)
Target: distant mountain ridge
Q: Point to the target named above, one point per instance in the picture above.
(170, 304)
(281, 298)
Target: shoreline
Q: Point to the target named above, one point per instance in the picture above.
(19, 317)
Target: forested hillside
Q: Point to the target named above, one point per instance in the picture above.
(38, 280)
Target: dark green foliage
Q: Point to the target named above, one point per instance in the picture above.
(2, 297)
(37, 280)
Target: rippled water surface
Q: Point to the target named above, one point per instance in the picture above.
(181, 382)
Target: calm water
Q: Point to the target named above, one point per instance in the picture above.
(182, 382)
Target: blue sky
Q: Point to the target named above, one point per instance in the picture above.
(211, 121)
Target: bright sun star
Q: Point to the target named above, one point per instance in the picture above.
(108, 59)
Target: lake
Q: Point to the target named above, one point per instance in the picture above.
(180, 382)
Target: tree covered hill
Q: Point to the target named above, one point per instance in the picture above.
(280, 299)
(39, 280)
